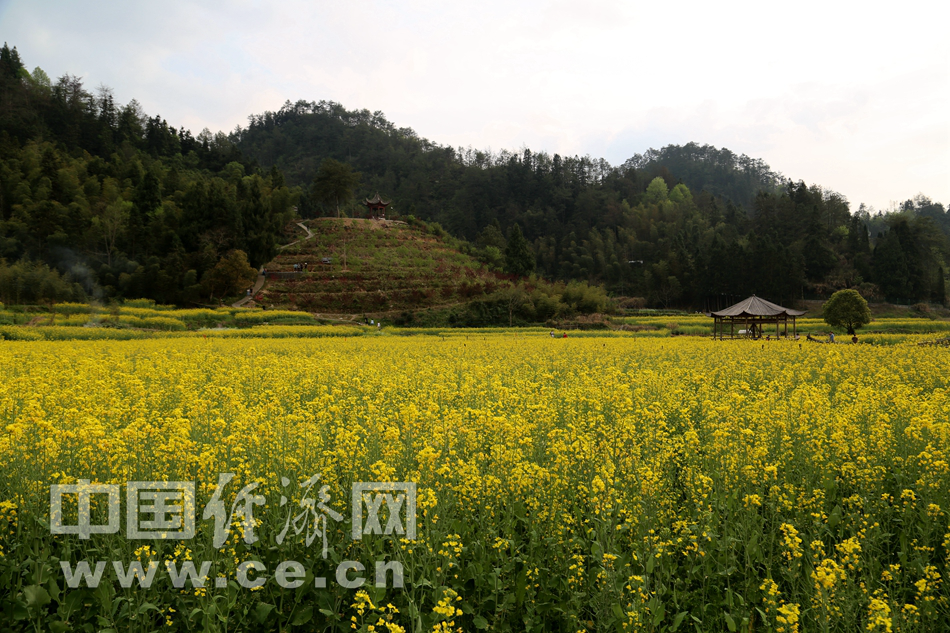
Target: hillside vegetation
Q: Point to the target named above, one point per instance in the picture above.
(410, 271)
(681, 226)
(101, 201)
(375, 266)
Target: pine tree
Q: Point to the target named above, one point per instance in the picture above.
(519, 260)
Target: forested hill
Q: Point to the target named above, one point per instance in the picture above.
(99, 200)
(720, 172)
(682, 225)
(300, 135)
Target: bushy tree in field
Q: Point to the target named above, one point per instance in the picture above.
(847, 309)
(230, 276)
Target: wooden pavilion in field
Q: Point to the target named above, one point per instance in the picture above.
(750, 317)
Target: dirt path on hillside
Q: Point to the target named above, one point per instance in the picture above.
(261, 279)
(303, 239)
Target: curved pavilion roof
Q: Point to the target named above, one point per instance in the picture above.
(376, 201)
(754, 306)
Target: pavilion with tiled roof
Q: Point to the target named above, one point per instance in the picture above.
(377, 206)
(752, 315)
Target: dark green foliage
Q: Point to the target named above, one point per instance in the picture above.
(527, 302)
(492, 236)
(736, 179)
(230, 276)
(26, 282)
(334, 184)
(940, 288)
(119, 204)
(519, 260)
(908, 257)
(890, 268)
(260, 225)
(117, 189)
(695, 221)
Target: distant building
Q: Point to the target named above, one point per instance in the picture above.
(754, 315)
(377, 207)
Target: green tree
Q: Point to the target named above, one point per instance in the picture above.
(146, 199)
(10, 65)
(34, 282)
(514, 298)
(847, 309)
(657, 191)
(41, 80)
(491, 235)
(110, 224)
(334, 183)
(583, 298)
(230, 276)
(891, 271)
(260, 225)
(681, 194)
(519, 260)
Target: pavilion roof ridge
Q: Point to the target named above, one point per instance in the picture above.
(756, 306)
(376, 200)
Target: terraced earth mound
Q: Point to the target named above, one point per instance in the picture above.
(373, 267)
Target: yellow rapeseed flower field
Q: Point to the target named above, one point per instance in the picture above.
(587, 483)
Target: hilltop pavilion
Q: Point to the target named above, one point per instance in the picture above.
(753, 315)
(377, 206)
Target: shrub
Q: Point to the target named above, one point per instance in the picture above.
(584, 298)
(139, 303)
(632, 303)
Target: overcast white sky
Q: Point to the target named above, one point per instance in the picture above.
(853, 96)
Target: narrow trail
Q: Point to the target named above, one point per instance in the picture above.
(261, 279)
(303, 239)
